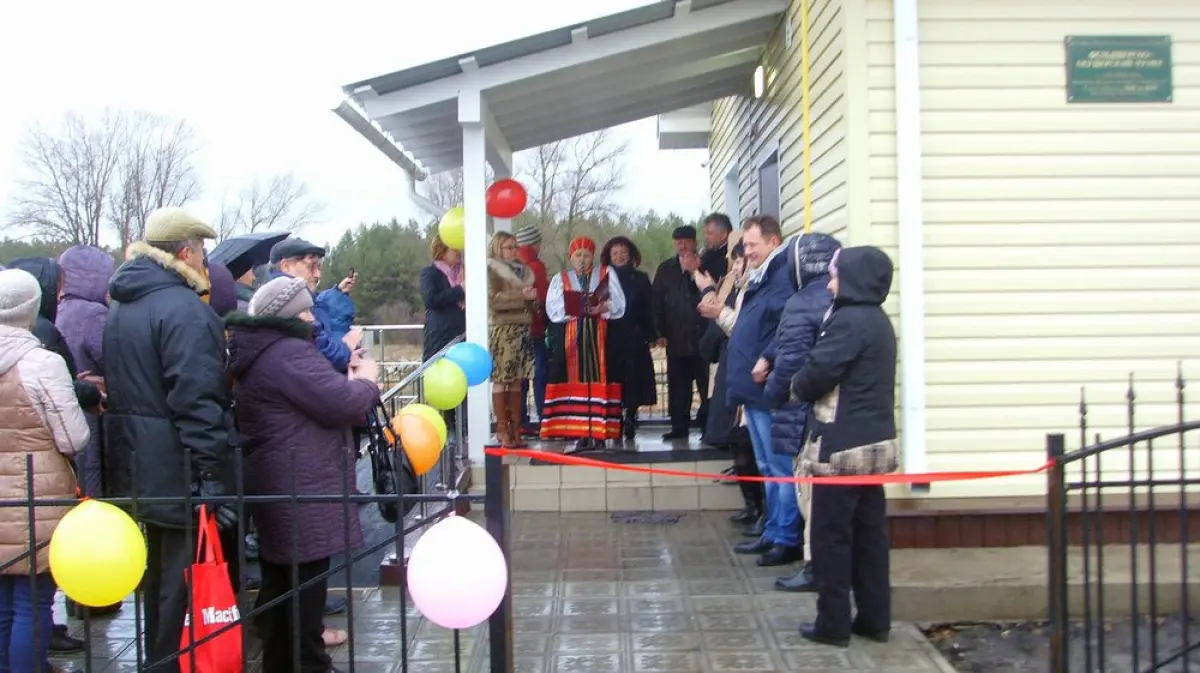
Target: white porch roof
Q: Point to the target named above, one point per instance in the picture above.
(620, 68)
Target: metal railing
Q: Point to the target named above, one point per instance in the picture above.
(397, 348)
(1115, 504)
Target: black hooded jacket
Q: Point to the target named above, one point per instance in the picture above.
(853, 364)
(48, 273)
(167, 396)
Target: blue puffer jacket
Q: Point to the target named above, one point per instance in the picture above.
(808, 257)
(753, 334)
(335, 309)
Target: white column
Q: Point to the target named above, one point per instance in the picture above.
(475, 260)
(910, 209)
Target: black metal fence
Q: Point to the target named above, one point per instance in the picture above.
(1117, 512)
(383, 626)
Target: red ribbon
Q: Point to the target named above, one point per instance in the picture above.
(849, 480)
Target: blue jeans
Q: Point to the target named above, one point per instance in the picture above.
(783, 512)
(20, 609)
(540, 372)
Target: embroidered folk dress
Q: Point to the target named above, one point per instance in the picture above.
(582, 402)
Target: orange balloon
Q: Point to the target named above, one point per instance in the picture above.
(420, 441)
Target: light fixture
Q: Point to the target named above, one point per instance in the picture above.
(759, 81)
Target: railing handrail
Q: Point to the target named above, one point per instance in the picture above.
(381, 328)
(421, 368)
(1128, 440)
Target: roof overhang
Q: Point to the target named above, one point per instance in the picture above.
(643, 62)
(685, 129)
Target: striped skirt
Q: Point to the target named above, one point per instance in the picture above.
(581, 401)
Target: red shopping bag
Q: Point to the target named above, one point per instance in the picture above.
(213, 606)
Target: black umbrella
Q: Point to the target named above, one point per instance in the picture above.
(239, 254)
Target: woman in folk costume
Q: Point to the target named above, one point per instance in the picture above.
(510, 303)
(582, 401)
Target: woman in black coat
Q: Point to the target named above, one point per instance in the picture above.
(632, 334)
(442, 292)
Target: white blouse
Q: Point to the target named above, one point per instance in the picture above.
(556, 308)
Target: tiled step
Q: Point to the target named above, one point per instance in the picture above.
(552, 488)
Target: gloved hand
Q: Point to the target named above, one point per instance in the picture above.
(225, 513)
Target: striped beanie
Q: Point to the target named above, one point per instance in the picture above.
(529, 236)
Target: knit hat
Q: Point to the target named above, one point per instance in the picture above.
(529, 236)
(174, 225)
(20, 296)
(581, 243)
(282, 298)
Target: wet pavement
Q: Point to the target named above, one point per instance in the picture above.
(595, 596)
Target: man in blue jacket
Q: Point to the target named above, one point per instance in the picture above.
(769, 284)
(809, 257)
(297, 258)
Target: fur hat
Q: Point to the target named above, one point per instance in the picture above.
(20, 297)
(282, 297)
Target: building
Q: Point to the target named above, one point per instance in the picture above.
(1044, 241)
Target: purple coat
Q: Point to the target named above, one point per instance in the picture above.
(294, 414)
(80, 319)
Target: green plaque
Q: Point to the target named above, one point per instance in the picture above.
(1119, 69)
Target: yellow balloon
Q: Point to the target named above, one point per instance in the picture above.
(452, 229)
(445, 385)
(430, 414)
(97, 554)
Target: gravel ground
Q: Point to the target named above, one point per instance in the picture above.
(1025, 647)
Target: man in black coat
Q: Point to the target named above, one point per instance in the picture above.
(167, 431)
(849, 379)
(674, 297)
(714, 261)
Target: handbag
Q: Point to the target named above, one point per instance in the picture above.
(391, 472)
(213, 607)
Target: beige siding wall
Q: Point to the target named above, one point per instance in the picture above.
(745, 130)
(1062, 241)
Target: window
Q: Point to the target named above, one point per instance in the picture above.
(733, 194)
(768, 183)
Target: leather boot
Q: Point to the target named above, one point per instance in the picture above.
(630, 424)
(500, 410)
(514, 418)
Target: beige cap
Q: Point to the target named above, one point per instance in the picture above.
(174, 225)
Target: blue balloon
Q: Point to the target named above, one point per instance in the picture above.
(473, 359)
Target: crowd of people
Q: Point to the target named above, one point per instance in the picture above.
(794, 339)
(170, 379)
(178, 380)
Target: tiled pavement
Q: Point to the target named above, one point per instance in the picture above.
(593, 596)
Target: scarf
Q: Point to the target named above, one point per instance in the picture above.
(759, 272)
(452, 274)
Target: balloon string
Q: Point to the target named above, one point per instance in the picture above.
(839, 480)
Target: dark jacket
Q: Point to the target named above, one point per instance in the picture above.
(47, 273)
(630, 337)
(444, 318)
(81, 317)
(721, 427)
(808, 256)
(753, 334)
(295, 413)
(675, 297)
(850, 374)
(165, 371)
(715, 262)
(332, 347)
(244, 293)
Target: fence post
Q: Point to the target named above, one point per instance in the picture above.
(496, 515)
(1056, 551)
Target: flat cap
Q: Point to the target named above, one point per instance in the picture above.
(294, 248)
(175, 225)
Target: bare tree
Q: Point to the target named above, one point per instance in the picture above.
(279, 203)
(115, 169)
(444, 189)
(572, 181)
(155, 169)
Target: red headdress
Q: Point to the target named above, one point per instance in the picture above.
(581, 243)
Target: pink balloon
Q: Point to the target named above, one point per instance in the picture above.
(457, 574)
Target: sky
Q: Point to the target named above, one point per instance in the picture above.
(256, 80)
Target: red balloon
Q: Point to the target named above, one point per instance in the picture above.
(506, 198)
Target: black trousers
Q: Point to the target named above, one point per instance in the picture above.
(682, 373)
(850, 551)
(744, 465)
(283, 637)
(169, 553)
